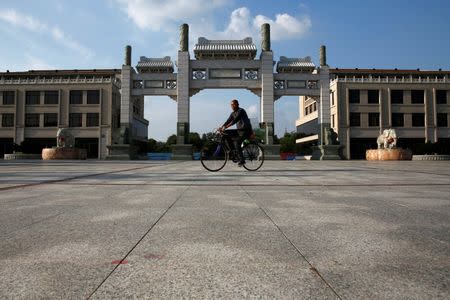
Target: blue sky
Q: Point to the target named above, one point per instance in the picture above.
(50, 34)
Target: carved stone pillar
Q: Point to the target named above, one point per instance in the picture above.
(120, 148)
(267, 95)
(183, 150)
(325, 150)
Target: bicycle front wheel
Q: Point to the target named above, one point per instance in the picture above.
(213, 157)
(254, 156)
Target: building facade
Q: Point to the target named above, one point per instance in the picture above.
(104, 108)
(34, 104)
(364, 102)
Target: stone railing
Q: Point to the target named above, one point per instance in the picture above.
(376, 79)
(431, 157)
(60, 80)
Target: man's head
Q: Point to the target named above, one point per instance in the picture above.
(234, 104)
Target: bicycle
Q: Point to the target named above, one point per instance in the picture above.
(217, 151)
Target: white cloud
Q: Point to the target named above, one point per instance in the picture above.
(70, 43)
(27, 22)
(239, 26)
(285, 26)
(35, 63)
(27, 62)
(159, 15)
(30, 23)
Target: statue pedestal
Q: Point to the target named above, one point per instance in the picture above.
(182, 152)
(118, 152)
(389, 154)
(63, 153)
(327, 152)
(271, 152)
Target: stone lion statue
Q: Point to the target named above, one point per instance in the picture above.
(388, 139)
(64, 139)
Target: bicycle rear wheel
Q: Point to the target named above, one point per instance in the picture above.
(213, 157)
(254, 156)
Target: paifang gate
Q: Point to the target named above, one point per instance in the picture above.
(221, 64)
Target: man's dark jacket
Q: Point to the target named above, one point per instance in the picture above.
(240, 118)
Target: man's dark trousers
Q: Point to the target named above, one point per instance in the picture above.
(237, 137)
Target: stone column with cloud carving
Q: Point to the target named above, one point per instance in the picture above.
(324, 102)
(267, 94)
(126, 111)
(183, 150)
(120, 148)
(328, 148)
(183, 87)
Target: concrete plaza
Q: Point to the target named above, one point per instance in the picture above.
(294, 229)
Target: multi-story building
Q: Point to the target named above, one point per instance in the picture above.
(364, 102)
(34, 104)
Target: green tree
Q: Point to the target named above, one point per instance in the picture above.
(195, 140)
(276, 140)
(152, 145)
(171, 140)
(162, 147)
(287, 142)
(260, 134)
(207, 139)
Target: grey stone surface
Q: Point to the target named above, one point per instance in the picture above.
(297, 230)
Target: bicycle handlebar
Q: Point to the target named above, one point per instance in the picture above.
(220, 132)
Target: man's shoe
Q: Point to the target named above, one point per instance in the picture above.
(240, 164)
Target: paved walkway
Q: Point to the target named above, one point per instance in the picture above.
(297, 229)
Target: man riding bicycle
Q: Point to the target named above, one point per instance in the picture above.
(244, 129)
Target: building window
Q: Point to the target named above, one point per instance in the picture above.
(314, 106)
(8, 98)
(306, 111)
(397, 97)
(418, 119)
(373, 96)
(417, 96)
(332, 121)
(353, 96)
(50, 120)
(32, 120)
(397, 120)
(75, 120)
(442, 120)
(8, 120)
(332, 98)
(33, 97)
(355, 119)
(92, 119)
(76, 97)
(93, 97)
(51, 97)
(441, 97)
(374, 119)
